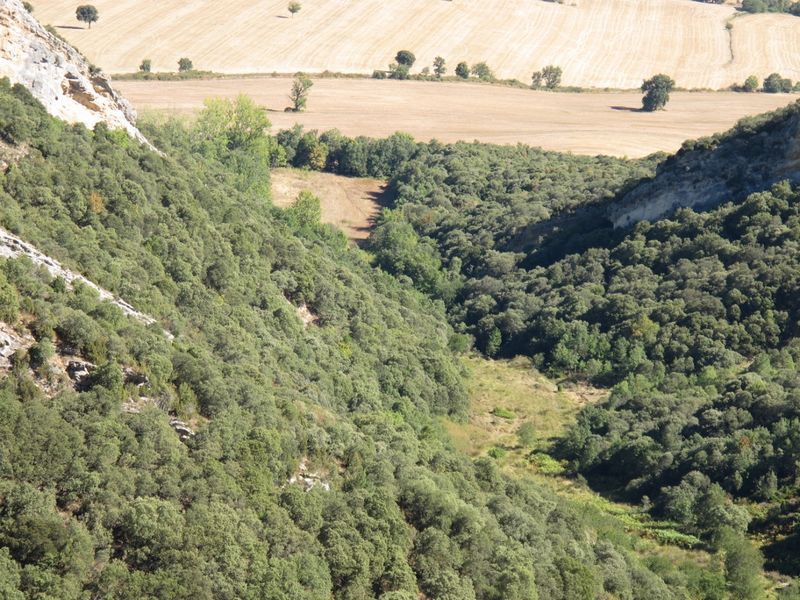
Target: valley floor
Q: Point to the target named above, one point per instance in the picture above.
(590, 123)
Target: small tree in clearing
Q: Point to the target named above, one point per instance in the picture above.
(86, 13)
(656, 92)
(185, 65)
(405, 57)
(294, 7)
(146, 65)
(439, 68)
(299, 93)
(462, 70)
(28, 6)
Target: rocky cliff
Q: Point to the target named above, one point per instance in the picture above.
(58, 75)
(757, 153)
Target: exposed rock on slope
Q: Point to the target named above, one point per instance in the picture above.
(11, 247)
(57, 75)
(11, 341)
(757, 153)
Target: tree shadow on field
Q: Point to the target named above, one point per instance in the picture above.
(627, 108)
(383, 198)
(281, 17)
(69, 27)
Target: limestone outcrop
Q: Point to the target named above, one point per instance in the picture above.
(57, 74)
(705, 173)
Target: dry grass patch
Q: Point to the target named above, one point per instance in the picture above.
(349, 203)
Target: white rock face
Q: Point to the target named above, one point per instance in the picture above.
(57, 75)
(10, 342)
(12, 247)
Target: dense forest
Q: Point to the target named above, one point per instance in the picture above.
(692, 320)
(100, 498)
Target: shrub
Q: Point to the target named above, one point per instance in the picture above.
(496, 452)
(398, 71)
(775, 84)
(503, 413)
(462, 70)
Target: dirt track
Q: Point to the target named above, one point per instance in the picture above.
(599, 43)
(596, 123)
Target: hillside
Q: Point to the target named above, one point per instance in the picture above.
(598, 43)
(757, 153)
(260, 453)
(691, 320)
(315, 424)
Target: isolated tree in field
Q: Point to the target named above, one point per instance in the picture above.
(185, 65)
(299, 93)
(462, 70)
(28, 6)
(146, 65)
(656, 92)
(439, 68)
(294, 7)
(86, 13)
(405, 57)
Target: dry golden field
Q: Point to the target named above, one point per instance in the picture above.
(349, 203)
(599, 43)
(595, 123)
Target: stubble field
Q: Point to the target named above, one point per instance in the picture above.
(598, 43)
(592, 123)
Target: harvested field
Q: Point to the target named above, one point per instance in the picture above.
(592, 123)
(350, 203)
(599, 43)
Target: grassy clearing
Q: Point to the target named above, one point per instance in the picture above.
(505, 395)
